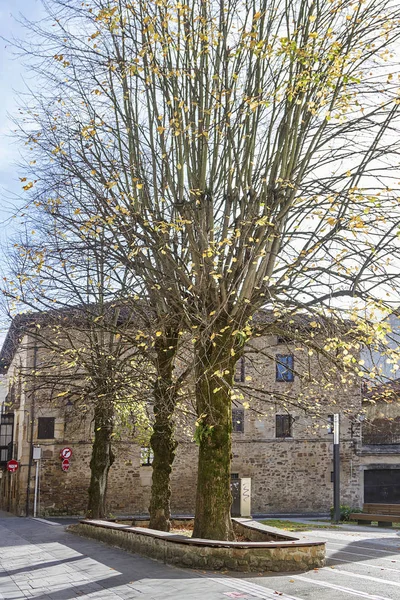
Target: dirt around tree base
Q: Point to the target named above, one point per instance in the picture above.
(178, 526)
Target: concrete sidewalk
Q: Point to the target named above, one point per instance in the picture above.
(42, 561)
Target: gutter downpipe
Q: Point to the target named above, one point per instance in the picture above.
(28, 486)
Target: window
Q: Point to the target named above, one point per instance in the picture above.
(283, 426)
(146, 456)
(240, 371)
(238, 420)
(6, 437)
(284, 367)
(46, 428)
(330, 424)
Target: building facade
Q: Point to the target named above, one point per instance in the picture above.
(282, 438)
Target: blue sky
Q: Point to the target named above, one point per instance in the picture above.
(12, 76)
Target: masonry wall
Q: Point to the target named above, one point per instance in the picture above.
(288, 475)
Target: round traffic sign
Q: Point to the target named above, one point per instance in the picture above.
(66, 453)
(12, 466)
(65, 464)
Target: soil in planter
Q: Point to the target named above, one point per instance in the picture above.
(184, 527)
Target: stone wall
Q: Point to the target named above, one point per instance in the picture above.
(288, 475)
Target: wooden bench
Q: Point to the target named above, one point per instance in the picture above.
(385, 514)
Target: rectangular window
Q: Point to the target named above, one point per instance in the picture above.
(238, 420)
(330, 424)
(146, 456)
(46, 428)
(283, 426)
(6, 436)
(240, 370)
(284, 367)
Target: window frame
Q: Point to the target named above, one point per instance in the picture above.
(45, 422)
(237, 423)
(281, 428)
(288, 369)
(6, 437)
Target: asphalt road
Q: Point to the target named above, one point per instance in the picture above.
(40, 560)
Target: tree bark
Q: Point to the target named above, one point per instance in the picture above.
(162, 440)
(214, 377)
(101, 461)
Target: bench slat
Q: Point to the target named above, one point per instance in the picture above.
(386, 509)
(372, 517)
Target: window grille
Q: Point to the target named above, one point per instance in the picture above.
(46, 428)
(283, 426)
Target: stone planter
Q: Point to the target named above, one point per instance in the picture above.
(271, 550)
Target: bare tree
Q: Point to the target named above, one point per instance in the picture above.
(240, 155)
(84, 353)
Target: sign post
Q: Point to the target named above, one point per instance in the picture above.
(36, 455)
(336, 468)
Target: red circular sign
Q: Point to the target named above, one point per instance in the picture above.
(66, 453)
(65, 464)
(12, 466)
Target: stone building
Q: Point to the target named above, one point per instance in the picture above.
(379, 450)
(282, 437)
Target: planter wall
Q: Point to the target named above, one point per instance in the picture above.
(284, 553)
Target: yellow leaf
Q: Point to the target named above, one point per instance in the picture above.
(158, 333)
(314, 324)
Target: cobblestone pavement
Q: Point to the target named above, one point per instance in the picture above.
(40, 560)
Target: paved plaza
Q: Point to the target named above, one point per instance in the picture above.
(42, 561)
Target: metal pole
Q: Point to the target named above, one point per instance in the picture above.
(336, 468)
(36, 489)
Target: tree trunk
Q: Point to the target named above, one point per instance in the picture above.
(101, 461)
(162, 440)
(214, 377)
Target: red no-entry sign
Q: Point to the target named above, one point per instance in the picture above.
(65, 464)
(12, 466)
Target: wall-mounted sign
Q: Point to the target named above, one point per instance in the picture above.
(65, 465)
(12, 466)
(66, 453)
(36, 453)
